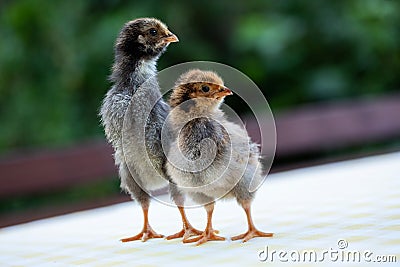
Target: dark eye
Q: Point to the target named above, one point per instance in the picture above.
(153, 32)
(205, 88)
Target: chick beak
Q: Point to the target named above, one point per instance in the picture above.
(171, 38)
(224, 91)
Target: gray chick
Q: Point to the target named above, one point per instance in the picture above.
(133, 113)
(211, 157)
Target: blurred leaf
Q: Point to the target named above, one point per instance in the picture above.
(55, 56)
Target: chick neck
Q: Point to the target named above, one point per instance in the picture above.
(196, 108)
(129, 73)
(205, 105)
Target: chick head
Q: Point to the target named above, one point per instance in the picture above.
(144, 38)
(196, 84)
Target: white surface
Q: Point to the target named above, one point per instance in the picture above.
(307, 209)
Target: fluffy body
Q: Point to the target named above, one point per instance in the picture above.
(133, 112)
(135, 97)
(221, 160)
(211, 157)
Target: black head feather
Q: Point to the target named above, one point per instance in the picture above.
(143, 38)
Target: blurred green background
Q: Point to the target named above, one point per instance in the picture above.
(55, 57)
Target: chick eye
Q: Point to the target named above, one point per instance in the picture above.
(153, 32)
(205, 88)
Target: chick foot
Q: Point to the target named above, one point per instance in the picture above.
(251, 234)
(252, 230)
(208, 235)
(186, 233)
(187, 230)
(146, 234)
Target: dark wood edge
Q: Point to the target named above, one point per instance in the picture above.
(300, 131)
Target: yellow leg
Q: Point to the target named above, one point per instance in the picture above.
(187, 230)
(252, 231)
(209, 233)
(147, 232)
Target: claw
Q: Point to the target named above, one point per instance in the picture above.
(252, 230)
(251, 234)
(146, 234)
(185, 233)
(208, 235)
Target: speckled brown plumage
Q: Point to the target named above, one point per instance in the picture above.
(196, 117)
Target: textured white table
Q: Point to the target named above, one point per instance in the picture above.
(308, 209)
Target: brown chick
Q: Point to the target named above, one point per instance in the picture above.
(211, 157)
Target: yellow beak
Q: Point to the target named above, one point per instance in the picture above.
(171, 38)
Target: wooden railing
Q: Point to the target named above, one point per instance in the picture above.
(300, 131)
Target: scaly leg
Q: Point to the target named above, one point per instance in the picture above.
(209, 233)
(187, 231)
(147, 232)
(252, 231)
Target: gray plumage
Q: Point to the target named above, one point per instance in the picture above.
(210, 157)
(222, 158)
(133, 111)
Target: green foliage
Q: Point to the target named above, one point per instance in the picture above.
(55, 56)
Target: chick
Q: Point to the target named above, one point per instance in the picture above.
(211, 157)
(135, 97)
